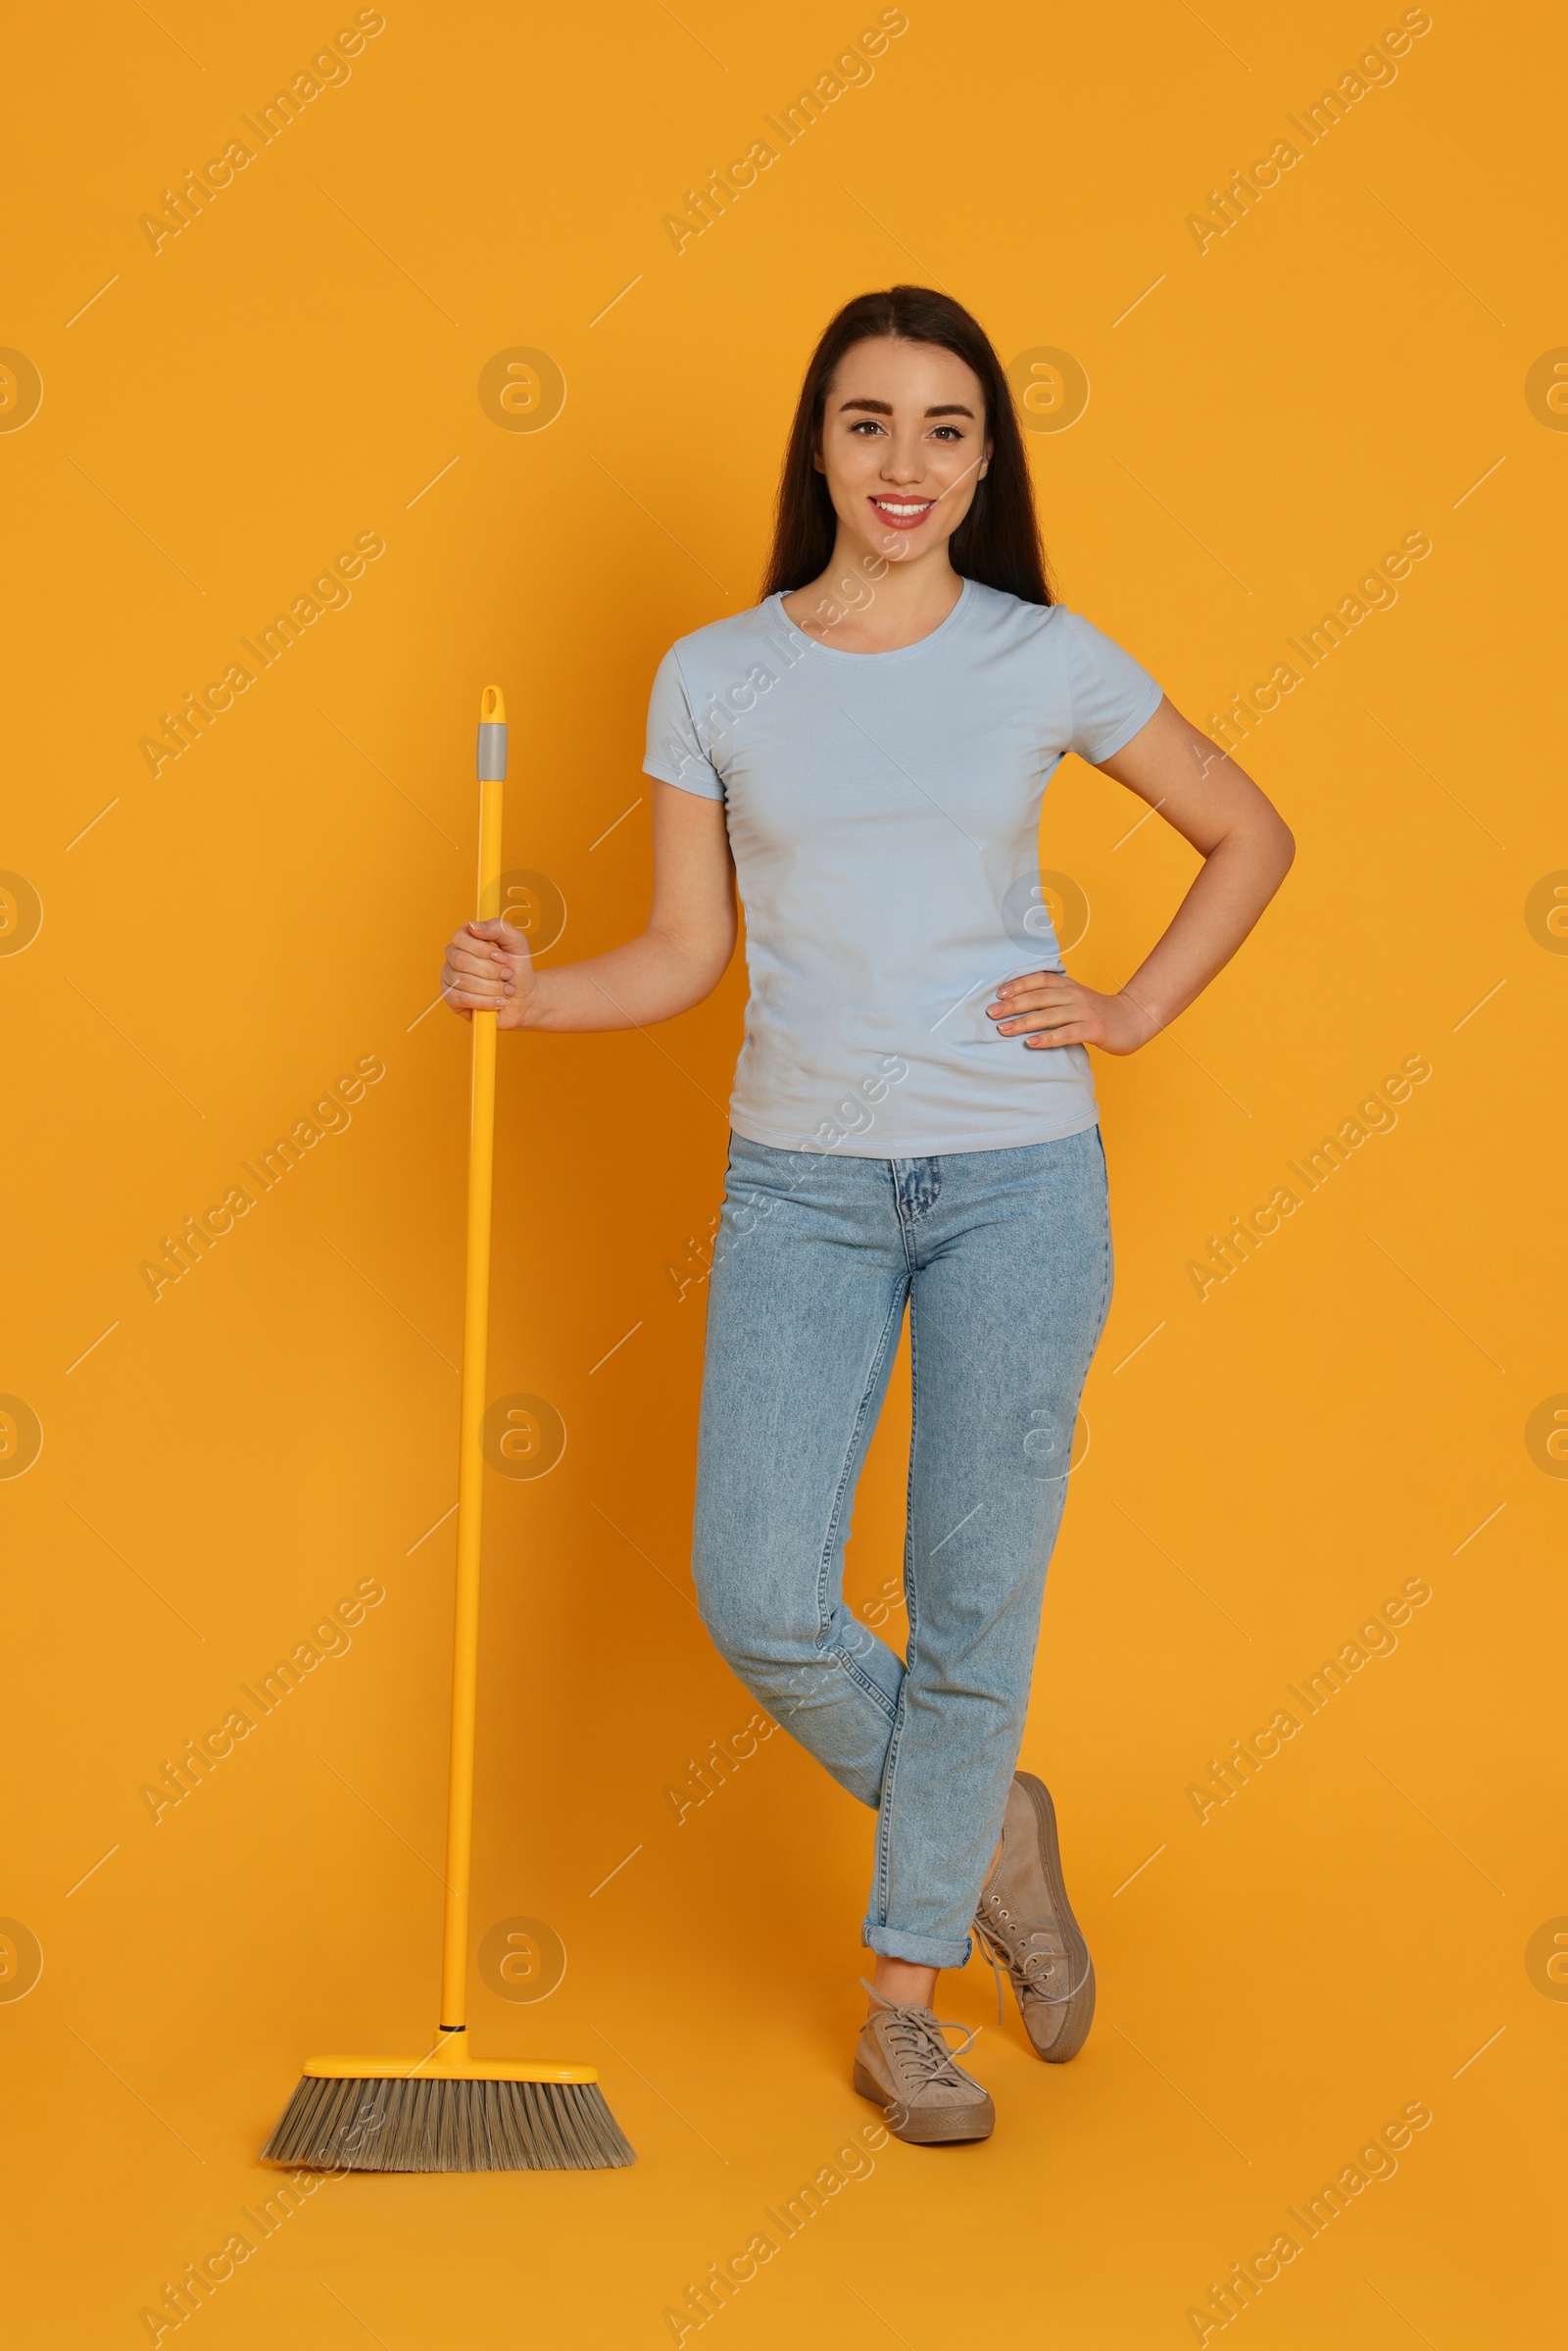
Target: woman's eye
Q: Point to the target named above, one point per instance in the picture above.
(949, 432)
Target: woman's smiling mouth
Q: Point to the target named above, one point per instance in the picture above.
(904, 514)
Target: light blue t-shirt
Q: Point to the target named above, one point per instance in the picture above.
(883, 812)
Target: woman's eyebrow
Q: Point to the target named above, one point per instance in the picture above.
(884, 407)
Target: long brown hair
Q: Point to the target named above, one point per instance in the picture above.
(998, 542)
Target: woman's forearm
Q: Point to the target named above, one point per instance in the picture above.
(1237, 880)
(679, 956)
(652, 977)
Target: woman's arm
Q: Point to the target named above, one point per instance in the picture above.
(679, 958)
(1247, 849)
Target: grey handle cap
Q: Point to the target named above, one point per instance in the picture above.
(492, 767)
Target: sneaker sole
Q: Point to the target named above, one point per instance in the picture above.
(1078, 2013)
(941, 2127)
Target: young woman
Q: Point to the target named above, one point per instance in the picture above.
(913, 1121)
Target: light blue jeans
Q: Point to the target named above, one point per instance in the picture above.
(1003, 1260)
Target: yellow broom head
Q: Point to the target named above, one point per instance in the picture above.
(443, 2113)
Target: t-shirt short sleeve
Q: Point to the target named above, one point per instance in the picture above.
(675, 752)
(1113, 695)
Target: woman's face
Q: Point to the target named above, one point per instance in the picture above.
(902, 446)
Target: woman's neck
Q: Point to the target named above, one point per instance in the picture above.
(865, 602)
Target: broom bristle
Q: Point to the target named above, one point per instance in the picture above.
(442, 2124)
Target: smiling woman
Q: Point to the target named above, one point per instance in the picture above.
(913, 1124)
(988, 523)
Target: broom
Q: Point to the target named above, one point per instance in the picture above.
(445, 2111)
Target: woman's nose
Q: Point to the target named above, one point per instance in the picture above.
(902, 464)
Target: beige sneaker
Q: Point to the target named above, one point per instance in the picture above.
(1028, 1929)
(905, 2064)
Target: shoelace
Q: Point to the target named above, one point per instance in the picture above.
(1000, 1936)
(918, 2042)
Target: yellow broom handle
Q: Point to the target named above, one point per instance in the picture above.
(492, 764)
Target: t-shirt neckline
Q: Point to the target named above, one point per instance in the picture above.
(894, 652)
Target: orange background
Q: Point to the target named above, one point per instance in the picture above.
(298, 367)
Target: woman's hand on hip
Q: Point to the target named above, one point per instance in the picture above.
(488, 969)
(1045, 1008)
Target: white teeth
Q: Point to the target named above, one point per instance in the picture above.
(888, 508)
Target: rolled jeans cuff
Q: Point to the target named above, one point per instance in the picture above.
(920, 1950)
